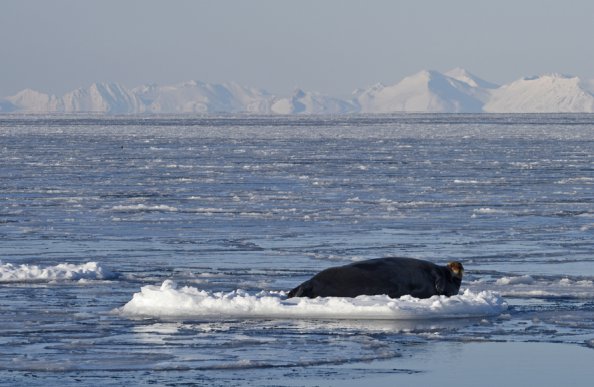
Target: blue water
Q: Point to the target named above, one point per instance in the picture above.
(262, 203)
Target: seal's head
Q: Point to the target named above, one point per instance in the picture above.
(456, 268)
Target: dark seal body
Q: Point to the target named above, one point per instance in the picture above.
(393, 276)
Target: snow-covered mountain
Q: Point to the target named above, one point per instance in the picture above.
(455, 91)
(478, 88)
(426, 91)
(200, 97)
(472, 80)
(31, 101)
(544, 94)
(302, 102)
(110, 98)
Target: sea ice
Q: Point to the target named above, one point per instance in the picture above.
(169, 301)
(523, 280)
(144, 208)
(61, 272)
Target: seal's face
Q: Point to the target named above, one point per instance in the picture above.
(456, 268)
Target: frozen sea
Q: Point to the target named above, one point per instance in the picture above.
(158, 250)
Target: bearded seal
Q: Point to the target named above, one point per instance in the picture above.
(393, 276)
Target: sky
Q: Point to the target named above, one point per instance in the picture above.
(329, 46)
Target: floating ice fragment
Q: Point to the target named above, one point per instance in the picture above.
(487, 211)
(519, 280)
(144, 208)
(60, 272)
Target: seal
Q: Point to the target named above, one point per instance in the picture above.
(394, 276)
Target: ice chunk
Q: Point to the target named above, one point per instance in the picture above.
(519, 280)
(63, 271)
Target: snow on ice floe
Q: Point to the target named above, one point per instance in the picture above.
(169, 301)
(60, 272)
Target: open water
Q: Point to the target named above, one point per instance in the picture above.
(137, 250)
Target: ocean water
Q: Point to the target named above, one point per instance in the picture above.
(158, 250)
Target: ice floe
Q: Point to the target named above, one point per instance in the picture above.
(60, 272)
(526, 286)
(169, 301)
(518, 280)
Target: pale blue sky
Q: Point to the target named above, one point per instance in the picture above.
(331, 46)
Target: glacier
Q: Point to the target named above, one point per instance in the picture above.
(428, 91)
